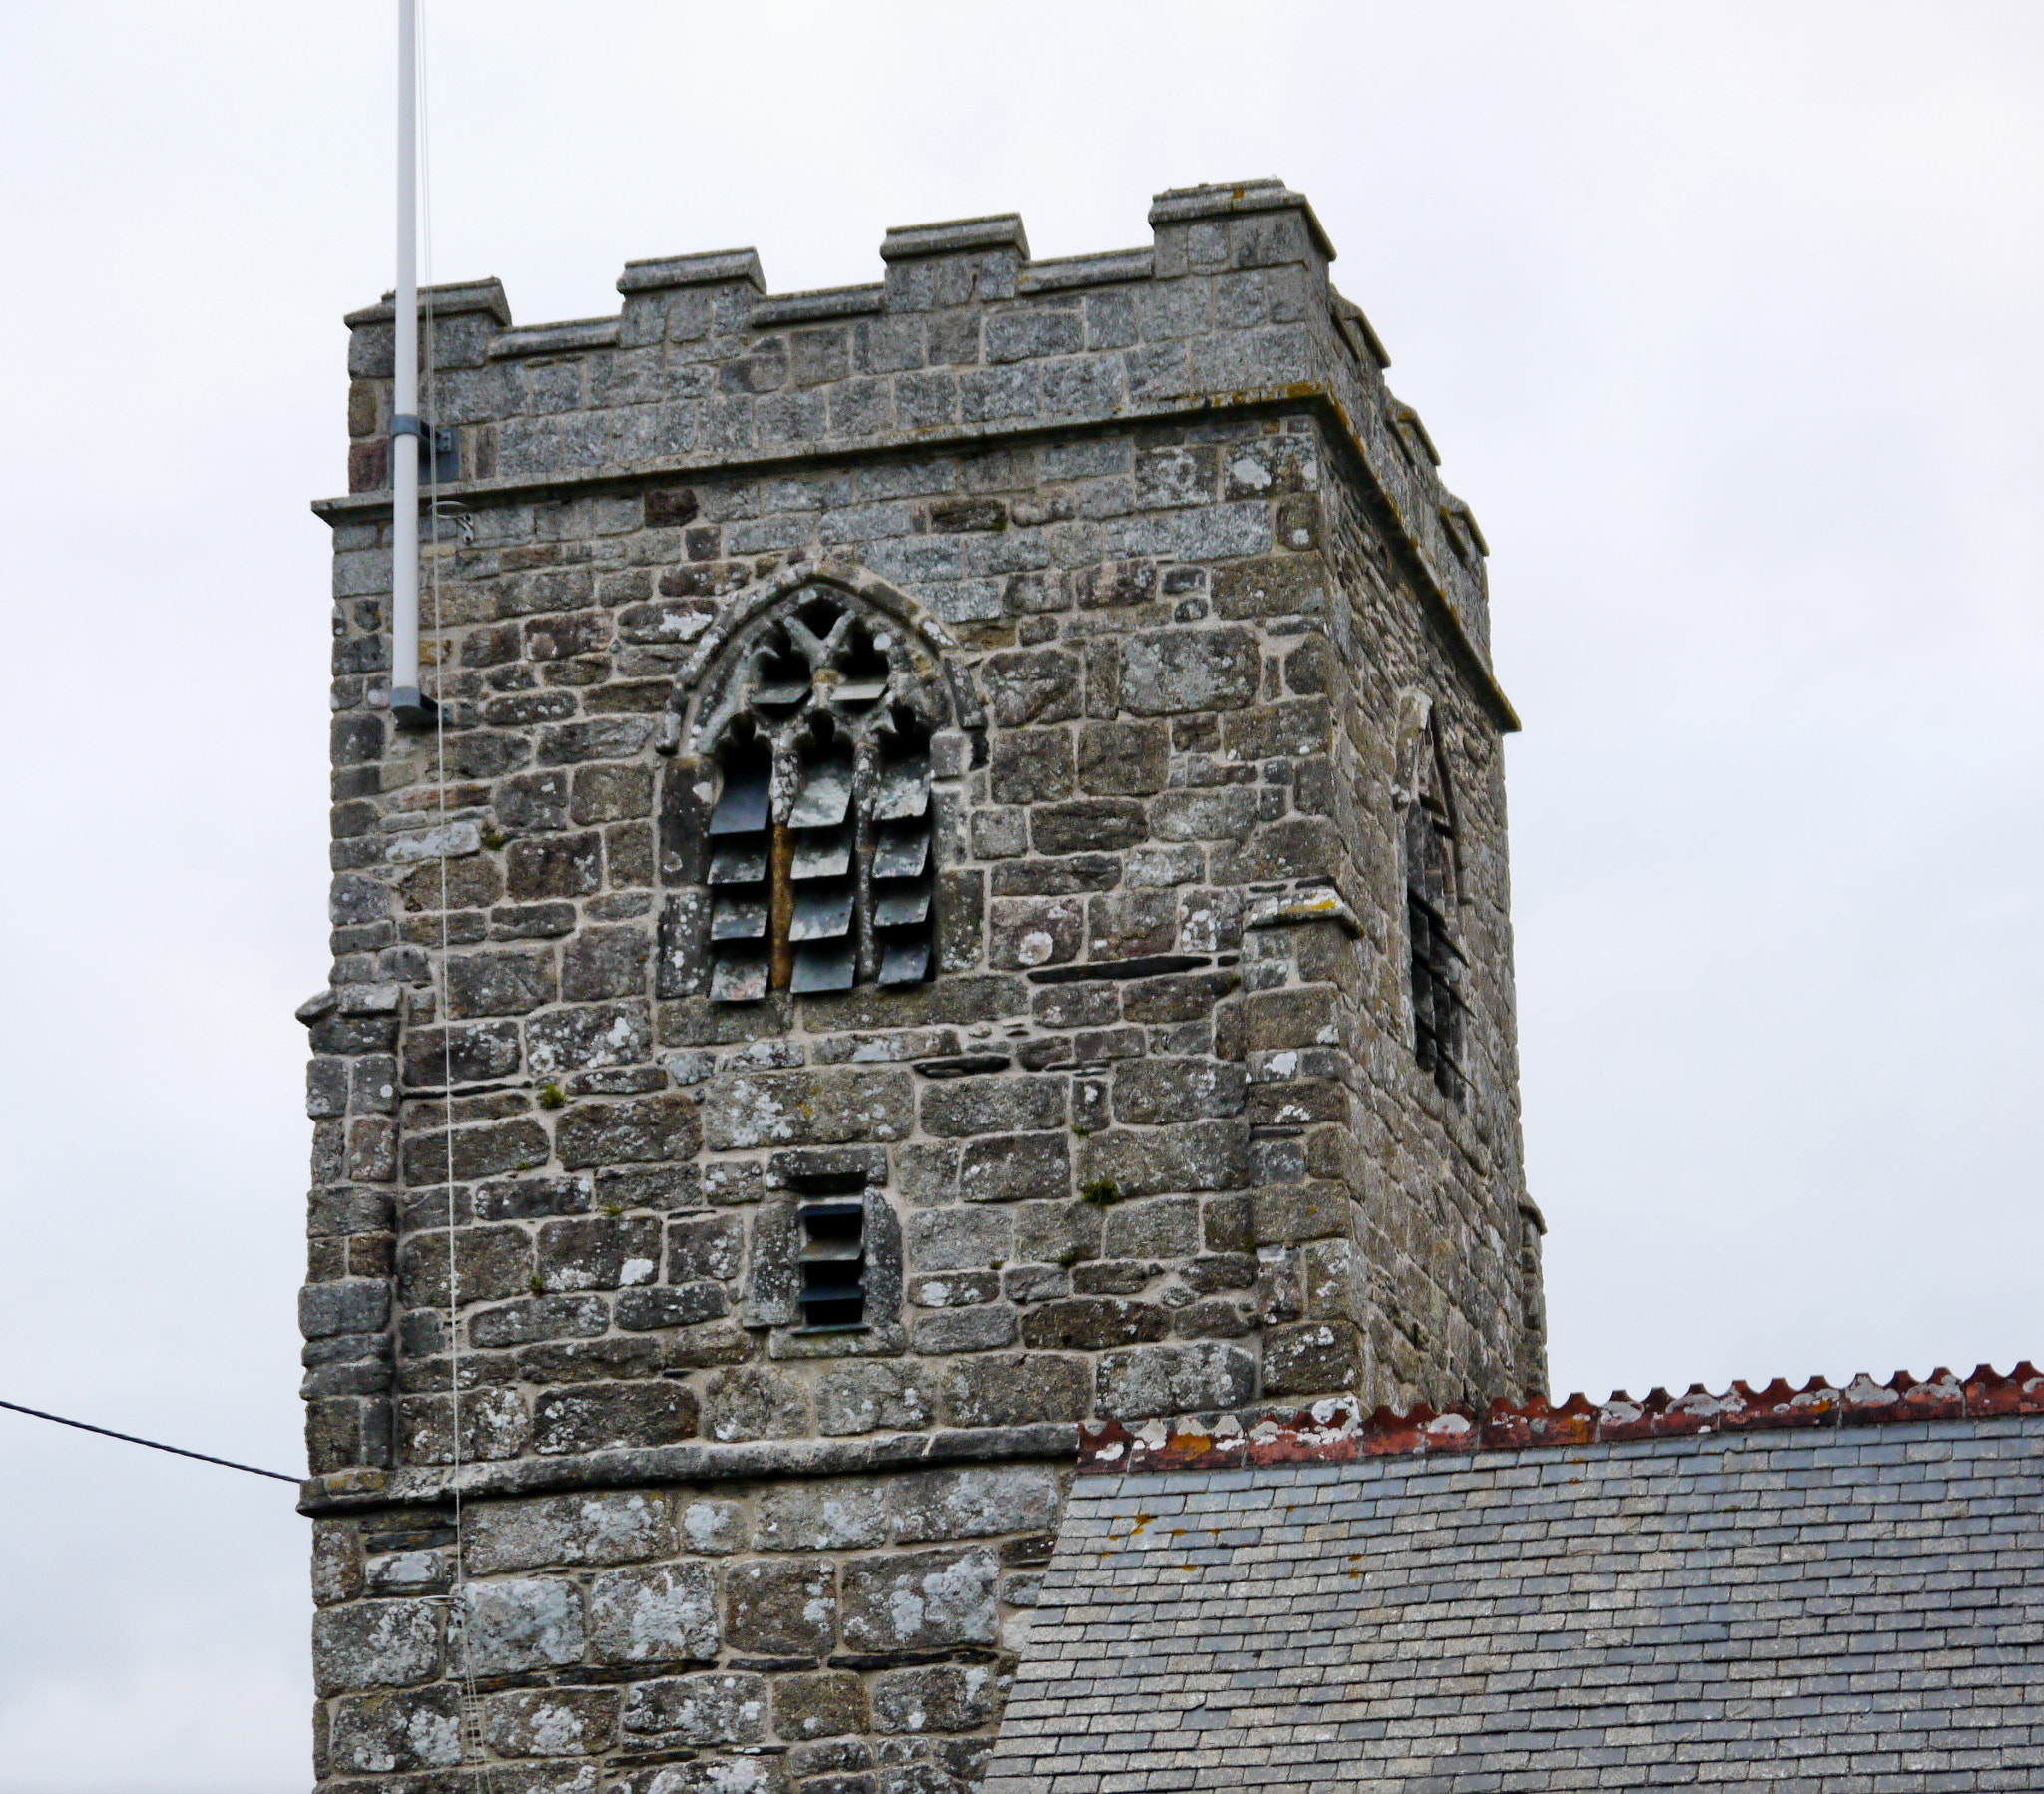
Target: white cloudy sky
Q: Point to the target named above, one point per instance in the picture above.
(1724, 318)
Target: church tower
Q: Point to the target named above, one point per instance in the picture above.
(958, 887)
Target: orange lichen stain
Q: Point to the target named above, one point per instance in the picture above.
(1141, 1521)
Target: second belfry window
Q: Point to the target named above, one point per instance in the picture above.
(1439, 969)
(819, 863)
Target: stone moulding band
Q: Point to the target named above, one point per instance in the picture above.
(695, 1461)
(1336, 1431)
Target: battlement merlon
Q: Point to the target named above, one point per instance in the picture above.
(965, 340)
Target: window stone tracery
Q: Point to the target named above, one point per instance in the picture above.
(820, 863)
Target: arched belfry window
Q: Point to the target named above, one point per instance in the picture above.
(1438, 966)
(820, 861)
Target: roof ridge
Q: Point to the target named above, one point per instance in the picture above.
(1335, 1428)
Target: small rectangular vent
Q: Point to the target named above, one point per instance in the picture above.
(833, 1263)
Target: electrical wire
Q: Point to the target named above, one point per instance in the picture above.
(154, 1445)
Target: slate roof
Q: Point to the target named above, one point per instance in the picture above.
(1820, 1608)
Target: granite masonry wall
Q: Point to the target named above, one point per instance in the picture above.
(1826, 1590)
(1181, 638)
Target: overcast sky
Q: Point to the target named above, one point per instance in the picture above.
(1724, 318)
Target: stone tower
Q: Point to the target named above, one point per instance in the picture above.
(963, 889)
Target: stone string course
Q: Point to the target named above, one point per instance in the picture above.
(1152, 1139)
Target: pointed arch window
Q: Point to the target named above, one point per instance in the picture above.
(821, 838)
(1438, 967)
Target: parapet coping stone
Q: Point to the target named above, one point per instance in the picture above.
(1183, 204)
(454, 300)
(956, 236)
(713, 267)
(695, 1461)
(1109, 267)
(554, 339)
(1335, 1430)
(822, 302)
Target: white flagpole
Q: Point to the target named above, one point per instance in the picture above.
(406, 703)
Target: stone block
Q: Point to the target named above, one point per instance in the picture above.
(704, 1245)
(468, 1052)
(1174, 672)
(1294, 728)
(1212, 813)
(419, 1729)
(959, 1239)
(1032, 765)
(968, 1329)
(1013, 1390)
(961, 1107)
(598, 1527)
(1189, 997)
(1059, 1233)
(837, 1513)
(1152, 1092)
(712, 1526)
(920, 1600)
(519, 1146)
(605, 962)
(327, 1310)
(753, 1401)
(1031, 686)
(723, 1707)
(1123, 759)
(936, 1697)
(642, 1130)
(517, 1625)
(678, 1305)
(1312, 1358)
(1176, 1379)
(1284, 1214)
(1298, 1016)
(1014, 1167)
(826, 1703)
(973, 1503)
(576, 1040)
(610, 793)
(554, 866)
(598, 1417)
(821, 1108)
(1155, 1227)
(1198, 1156)
(1092, 1323)
(500, 984)
(867, 1398)
(566, 1722)
(660, 1614)
(495, 1424)
(781, 1608)
(598, 1252)
(490, 1263)
(1026, 931)
(1271, 586)
(376, 1644)
(1297, 847)
(1088, 824)
(541, 1317)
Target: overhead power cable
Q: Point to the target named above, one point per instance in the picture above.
(153, 1444)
